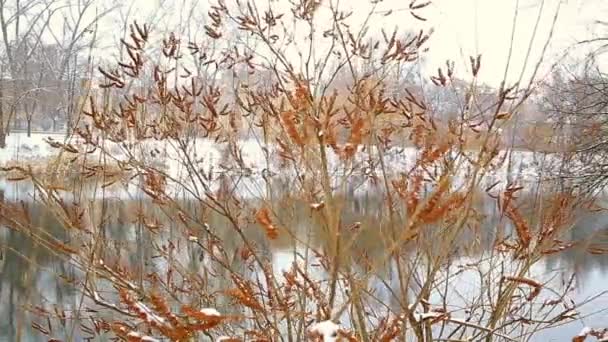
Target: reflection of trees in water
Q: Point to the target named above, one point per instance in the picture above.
(132, 244)
(591, 230)
(21, 247)
(24, 277)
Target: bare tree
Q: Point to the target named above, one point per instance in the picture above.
(76, 41)
(22, 24)
(577, 100)
(27, 34)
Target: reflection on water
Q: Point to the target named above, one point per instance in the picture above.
(32, 276)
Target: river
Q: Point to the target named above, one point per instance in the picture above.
(31, 276)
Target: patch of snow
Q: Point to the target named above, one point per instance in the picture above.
(226, 338)
(584, 332)
(317, 206)
(426, 315)
(600, 335)
(210, 312)
(327, 330)
(150, 316)
(141, 337)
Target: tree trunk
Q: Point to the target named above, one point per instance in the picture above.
(15, 123)
(2, 135)
(29, 127)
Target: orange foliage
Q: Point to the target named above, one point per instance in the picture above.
(521, 226)
(355, 139)
(534, 284)
(291, 128)
(263, 218)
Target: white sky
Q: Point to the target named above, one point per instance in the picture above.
(461, 28)
(467, 27)
(484, 26)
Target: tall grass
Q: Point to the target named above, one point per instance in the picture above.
(152, 118)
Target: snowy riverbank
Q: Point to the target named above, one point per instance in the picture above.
(207, 156)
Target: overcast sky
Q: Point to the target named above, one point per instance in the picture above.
(485, 26)
(466, 27)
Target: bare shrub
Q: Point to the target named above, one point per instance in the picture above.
(324, 146)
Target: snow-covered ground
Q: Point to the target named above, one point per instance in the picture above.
(20, 147)
(208, 156)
